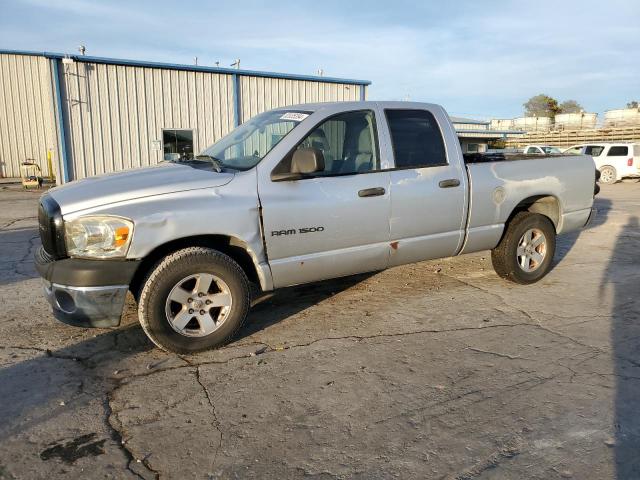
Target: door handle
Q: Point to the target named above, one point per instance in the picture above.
(452, 182)
(371, 192)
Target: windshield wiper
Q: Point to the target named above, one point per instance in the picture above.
(217, 164)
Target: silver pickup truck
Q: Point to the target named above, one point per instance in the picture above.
(296, 195)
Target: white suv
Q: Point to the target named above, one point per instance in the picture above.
(615, 161)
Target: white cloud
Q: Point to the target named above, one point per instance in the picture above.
(479, 57)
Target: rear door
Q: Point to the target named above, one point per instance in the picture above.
(428, 186)
(337, 222)
(621, 158)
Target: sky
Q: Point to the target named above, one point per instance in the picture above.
(477, 58)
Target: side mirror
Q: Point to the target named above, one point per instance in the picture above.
(305, 162)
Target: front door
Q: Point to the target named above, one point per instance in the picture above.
(335, 223)
(428, 193)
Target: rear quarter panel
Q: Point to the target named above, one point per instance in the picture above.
(498, 187)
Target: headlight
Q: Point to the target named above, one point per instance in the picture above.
(98, 237)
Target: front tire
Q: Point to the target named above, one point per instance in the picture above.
(194, 299)
(525, 253)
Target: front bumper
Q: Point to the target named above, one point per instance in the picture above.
(86, 293)
(86, 306)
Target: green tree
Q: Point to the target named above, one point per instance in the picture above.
(632, 104)
(570, 106)
(541, 106)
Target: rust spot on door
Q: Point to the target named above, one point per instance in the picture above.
(394, 245)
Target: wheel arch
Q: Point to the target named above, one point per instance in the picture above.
(232, 246)
(547, 205)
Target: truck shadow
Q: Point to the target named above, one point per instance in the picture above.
(620, 282)
(63, 383)
(60, 382)
(566, 242)
(270, 309)
(16, 254)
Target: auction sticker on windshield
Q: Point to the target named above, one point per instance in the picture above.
(295, 116)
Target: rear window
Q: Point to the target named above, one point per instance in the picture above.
(593, 150)
(417, 141)
(618, 152)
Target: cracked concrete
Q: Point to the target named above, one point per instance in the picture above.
(433, 370)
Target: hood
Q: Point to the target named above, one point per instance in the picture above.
(144, 182)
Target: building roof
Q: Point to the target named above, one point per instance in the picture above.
(488, 133)
(190, 68)
(467, 121)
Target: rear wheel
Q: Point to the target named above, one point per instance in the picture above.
(608, 174)
(194, 299)
(525, 253)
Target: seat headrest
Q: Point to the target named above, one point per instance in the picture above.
(307, 160)
(365, 143)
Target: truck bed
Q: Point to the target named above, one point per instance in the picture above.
(500, 182)
(505, 157)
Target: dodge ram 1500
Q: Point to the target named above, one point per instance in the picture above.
(296, 195)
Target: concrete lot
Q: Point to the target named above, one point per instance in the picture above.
(434, 370)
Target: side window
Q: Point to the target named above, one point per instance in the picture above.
(347, 142)
(417, 141)
(618, 152)
(574, 150)
(593, 150)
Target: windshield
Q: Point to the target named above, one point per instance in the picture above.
(244, 147)
(551, 150)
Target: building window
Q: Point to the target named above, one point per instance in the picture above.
(177, 144)
(473, 147)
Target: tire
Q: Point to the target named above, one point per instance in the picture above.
(216, 316)
(517, 258)
(608, 175)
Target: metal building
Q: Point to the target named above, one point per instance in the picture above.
(94, 115)
(475, 135)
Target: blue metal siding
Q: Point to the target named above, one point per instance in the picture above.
(190, 68)
(62, 138)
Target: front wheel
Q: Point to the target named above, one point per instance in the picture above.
(525, 253)
(194, 299)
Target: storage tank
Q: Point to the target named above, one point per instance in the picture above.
(532, 124)
(501, 124)
(576, 121)
(621, 117)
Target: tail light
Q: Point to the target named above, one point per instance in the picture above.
(630, 162)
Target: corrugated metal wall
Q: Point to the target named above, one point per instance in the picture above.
(258, 94)
(27, 113)
(116, 113)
